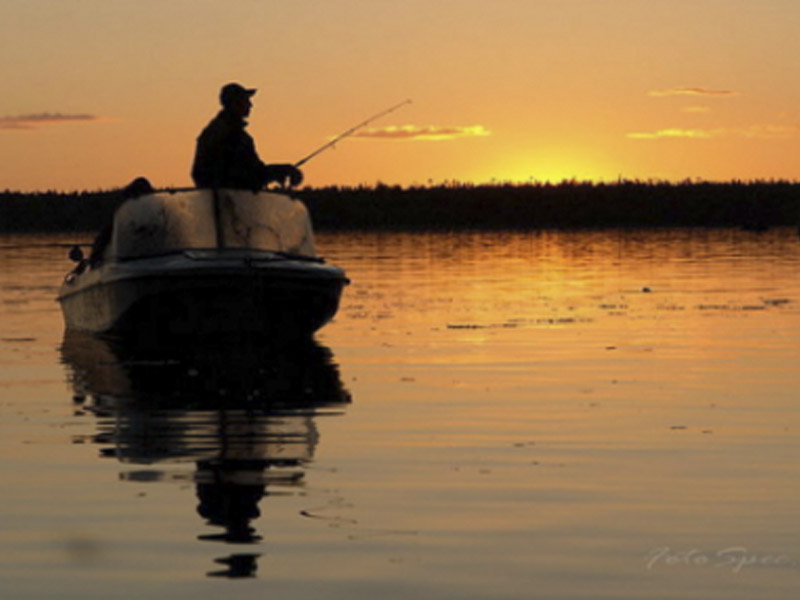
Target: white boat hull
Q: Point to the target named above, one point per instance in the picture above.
(147, 288)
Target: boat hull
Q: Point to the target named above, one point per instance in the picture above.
(204, 293)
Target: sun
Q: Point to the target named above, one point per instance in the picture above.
(552, 166)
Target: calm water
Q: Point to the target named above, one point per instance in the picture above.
(556, 415)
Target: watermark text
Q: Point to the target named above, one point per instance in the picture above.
(734, 558)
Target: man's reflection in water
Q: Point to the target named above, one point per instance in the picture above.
(238, 566)
(244, 414)
(227, 503)
(232, 505)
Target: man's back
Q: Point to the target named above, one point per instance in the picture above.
(226, 155)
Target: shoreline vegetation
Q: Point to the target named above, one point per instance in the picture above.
(755, 205)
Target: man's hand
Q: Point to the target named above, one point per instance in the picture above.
(285, 175)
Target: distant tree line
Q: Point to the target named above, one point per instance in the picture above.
(451, 206)
(57, 211)
(568, 205)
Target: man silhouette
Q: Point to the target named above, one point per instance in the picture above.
(226, 155)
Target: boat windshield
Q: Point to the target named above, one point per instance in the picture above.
(202, 219)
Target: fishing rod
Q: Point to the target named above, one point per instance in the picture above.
(350, 132)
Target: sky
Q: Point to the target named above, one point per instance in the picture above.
(98, 92)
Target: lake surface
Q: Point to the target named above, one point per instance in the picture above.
(556, 415)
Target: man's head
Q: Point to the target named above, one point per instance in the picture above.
(236, 98)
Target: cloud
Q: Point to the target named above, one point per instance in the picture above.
(32, 121)
(691, 91)
(674, 133)
(430, 132)
(767, 131)
(763, 132)
(697, 109)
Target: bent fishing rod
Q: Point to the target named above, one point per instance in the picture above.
(350, 132)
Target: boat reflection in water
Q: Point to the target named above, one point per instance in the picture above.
(242, 414)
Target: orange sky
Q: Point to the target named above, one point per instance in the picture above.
(97, 92)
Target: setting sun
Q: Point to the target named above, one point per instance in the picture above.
(550, 165)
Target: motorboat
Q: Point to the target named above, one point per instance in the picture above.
(202, 261)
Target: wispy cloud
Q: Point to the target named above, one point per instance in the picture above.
(429, 132)
(767, 131)
(32, 121)
(673, 133)
(751, 132)
(697, 109)
(691, 91)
